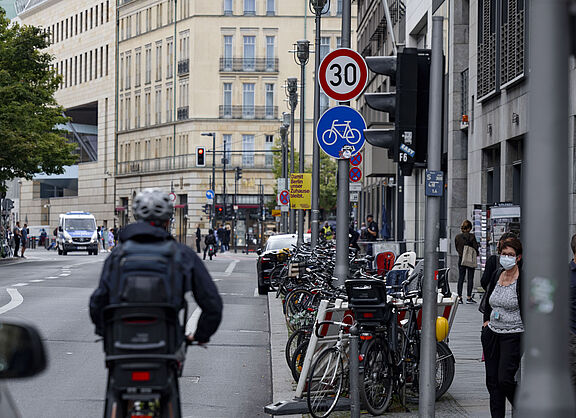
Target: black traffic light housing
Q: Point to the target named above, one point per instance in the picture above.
(200, 157)
(238, 173)
(409, 71)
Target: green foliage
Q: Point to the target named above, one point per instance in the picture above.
(29, 142)
(328, 175)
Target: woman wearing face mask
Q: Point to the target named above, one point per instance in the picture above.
(503, 328)
(493, 262)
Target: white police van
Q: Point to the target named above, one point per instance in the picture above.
(77, 232)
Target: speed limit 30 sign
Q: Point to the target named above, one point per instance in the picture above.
(343, 74)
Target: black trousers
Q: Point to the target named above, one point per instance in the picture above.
(198, 245)
(462, 270)
(502, 354)
(16, 245)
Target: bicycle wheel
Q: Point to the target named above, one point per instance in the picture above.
(297, 338)
(297, 301)
(297, 360)
(444, 368)
(332, 137)
(325, 383)
(353, 136)
(376, 379)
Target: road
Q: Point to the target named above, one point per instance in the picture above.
(230, 378)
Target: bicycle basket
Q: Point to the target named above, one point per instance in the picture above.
(367, 298)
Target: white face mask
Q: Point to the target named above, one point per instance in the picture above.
(507, 261)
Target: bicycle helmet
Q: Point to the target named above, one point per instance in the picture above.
(152, 205)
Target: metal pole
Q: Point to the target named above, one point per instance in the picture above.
(354, 371)
(341, 268)
(301, 212)
(214, 178)
(545, 389)
(315, 212)
(427, 391)
(235, 212)
(284, 135)
(224, 184)
(292, 122)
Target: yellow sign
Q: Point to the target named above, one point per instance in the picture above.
(301, 191)
(276, 212)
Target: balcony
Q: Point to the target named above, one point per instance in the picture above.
(250, 65)
(182, 113)
(248, 112)
(184, 66)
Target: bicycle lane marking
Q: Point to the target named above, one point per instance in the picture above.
(16, 300)
(230, 268)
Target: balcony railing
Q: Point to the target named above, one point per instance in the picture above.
(257, 65)
(248, 112)
(182, 113)
(184, 66)
(247, 159)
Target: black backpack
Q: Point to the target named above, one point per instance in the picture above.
(148, 273)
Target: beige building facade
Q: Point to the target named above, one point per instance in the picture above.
(177, 69)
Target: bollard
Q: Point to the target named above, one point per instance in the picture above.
(354, 373)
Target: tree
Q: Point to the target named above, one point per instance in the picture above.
(328, 175)
(29, 141)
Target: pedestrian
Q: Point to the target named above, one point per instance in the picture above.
(17, 234)
(209, 239)
(465, 238)
(220, 234)
(503, 328)
(115, 232)
(327, 231)
(492, 262)
(573, 311)
(227, 233)
(353, 237)
(104, 237)
(371, 233)
(198, 238)
(111, 242)
(24, 239)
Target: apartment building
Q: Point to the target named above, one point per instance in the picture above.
(191, 68)
(83, 44)
(141, 92)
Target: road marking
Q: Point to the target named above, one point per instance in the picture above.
(252, 331)
(256, 292)
(20, 284)
(37, 281)
(231, 294)
(52, 277)
(15, 300)
(230, 267)
(192, 323)
(64, 274)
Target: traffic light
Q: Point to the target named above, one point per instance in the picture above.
(206, 209)
(409, 71)
(7, 204)
(200, 157)
(238, 173)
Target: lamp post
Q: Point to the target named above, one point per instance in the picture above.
(284, 137)
(292, 91)
(302, 55)
(317, 7)
(213, 186)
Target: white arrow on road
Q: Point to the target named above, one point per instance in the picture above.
(16, 299)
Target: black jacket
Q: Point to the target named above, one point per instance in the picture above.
(492, 285)
(491, 266)
(196, 277)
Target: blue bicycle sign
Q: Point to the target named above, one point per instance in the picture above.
(339, 132)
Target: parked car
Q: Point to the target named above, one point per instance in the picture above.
(271, 255)
(21, 355)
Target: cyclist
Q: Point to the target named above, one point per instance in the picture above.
(153, 209)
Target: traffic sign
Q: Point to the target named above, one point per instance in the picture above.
(343, 74)
(340, 132)
(354, 196)
(209, 194)
(355, 174)
(434, 183)
(354, 187)
(172, 196)
(356, 160)
(284, 197)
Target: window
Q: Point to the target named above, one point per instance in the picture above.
(269, 110)
(249, 53)
(170, 11)
(227, 102)
(338, 42)
(250, 7)
(339, 8)
(158, 106)
(169, 108)
(227, 52)
(248, 150)
(248, 101)
(158, 61)
(137, 110)
(487, 15)
(128, 112)
(184, 93)
(270, 7)
(148, 20)
(138, 69)
(228, 7)
(129, 27)
(324, 46)
(138, 23)
(147, 105)
(159, 15)
(184, 45)
(227, 147)
(170, 57)
(270, 53)
(268, 145)
(122, 73)
(128, 70)
(121, 114)
(148, 64)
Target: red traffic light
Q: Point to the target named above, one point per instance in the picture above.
(200, 151)
(220, 209)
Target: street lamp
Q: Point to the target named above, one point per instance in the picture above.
(292, 93)
(318, 7)
(213, 135)
(301, 56)
(283, 135)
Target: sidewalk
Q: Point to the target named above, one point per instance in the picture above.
(467, 396)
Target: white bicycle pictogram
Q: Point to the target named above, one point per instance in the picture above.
(351, 135)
